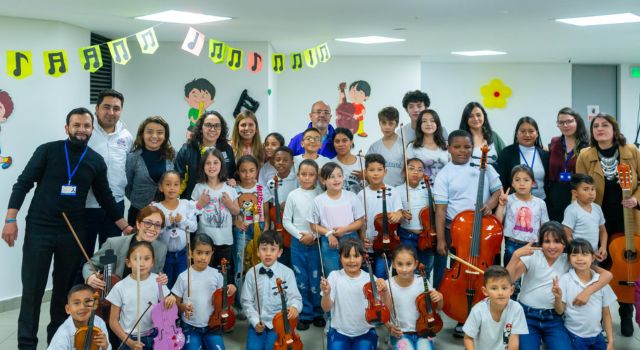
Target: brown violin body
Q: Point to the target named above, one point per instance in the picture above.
(377, 312)
(80, 339)
(427, 238)
(277, 224)
(104, 308)
(222, 316)
(428, 323)
(284, 327)
(385, 241)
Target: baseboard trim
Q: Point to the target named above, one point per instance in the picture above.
(14, 303)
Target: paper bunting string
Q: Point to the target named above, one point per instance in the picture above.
(193, 42)
(90, 58)
(148, 41)
(217, 50)
(119, 51)
(19, 64)
(254, 64)
(55, 63)
(311, 57)
(323, 53)
(234, 58)
(296, 61)
(277, 62)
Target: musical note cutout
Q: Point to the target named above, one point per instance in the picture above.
(148, 41)
(193, 42)
(90, 58)
(119, 51)
(323, 52)
(55, 63)
(277, 62)
(254, 64)
(296, 60)
(234, 58)
(19, 64)
(217, 50)
(311, 57)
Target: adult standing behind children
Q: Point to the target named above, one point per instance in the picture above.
(113, 142)
(61, 189)
(320, 116)
(245, 137)
(414, 103)
(151, 156)
(608, 149)
(475, 121)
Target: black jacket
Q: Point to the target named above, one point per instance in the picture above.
(510, 157)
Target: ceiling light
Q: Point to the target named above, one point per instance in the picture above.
(478, 53)
(371, 40)
(173, 16)
(598, 20)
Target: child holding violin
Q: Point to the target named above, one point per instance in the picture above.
(125, 302)
(80, 308)
(342, 295)
(375, 171)
(405, 288)
(259, 302)
(193, 291)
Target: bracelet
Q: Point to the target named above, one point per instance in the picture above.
(329, 234)
(8, 221)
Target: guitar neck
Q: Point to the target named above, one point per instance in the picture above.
(629, 223)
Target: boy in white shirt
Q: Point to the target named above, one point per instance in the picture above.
(497, 321)
(389, 146)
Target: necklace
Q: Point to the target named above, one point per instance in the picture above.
(609, 165)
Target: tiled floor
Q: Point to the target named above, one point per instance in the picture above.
(311, 338)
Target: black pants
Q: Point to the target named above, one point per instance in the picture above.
(40, 246)
(100, 226)
(227, 252)
(132, 215)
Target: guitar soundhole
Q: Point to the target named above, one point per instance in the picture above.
(630, 255)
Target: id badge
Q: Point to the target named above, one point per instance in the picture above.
(68, 190)
(565, 176)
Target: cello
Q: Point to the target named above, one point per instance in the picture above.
(428, 238)
(222, 316)
(345, 111)
(429, 323)
(377, 313)
(170, 336)
(387, 238)
(476, 239)
(285, 327)
(275, 213)
(624, 247)
(83, 339)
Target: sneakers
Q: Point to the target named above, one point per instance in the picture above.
(458, 332)
(319, 322)
(303, 325)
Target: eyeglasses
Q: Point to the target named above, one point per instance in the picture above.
(313, 139)
(210, 126)
(322, 111)
(149, 224)
(565, 122)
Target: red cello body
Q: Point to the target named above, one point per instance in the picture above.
(427, 238)
(476, 239)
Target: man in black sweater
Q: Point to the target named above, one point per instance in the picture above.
(64, 171)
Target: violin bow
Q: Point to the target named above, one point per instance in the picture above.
(464, 262)
(84, 252)
(188, 234)
(135, 325)
(255, 278)
(364, 190)
(406, 169)
(393, 303)
(138, 292)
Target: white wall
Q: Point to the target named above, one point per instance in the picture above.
(41, 105)
(538, 91)
(629, 99)
(154, 85)
(390, 78)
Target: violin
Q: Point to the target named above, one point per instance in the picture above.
(251, 256)
(428, 238)
(223, 316)
(169, 336)
(624, 247)
(476, 239)
(83, 339)
(108, 262)
(387, 238)
(284, 327)
(429, 323)
(275, 213)
(377, 313)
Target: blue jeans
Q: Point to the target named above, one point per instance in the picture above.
(510, 247)
(306, 266)
(260, 341)
(591, 343)
(239, 246)
(146, 340)
(380, 269)
(330, 256)
(544, 325)
(201, 337)
(175, 264)
(337, 341)
(411, 342)
(425, 257)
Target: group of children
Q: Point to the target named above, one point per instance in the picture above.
(332, 232)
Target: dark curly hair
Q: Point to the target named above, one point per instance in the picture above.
(196, 139)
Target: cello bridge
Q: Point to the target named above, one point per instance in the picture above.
(386, 240)
(431, 319)
(472, 272)
(224, 315)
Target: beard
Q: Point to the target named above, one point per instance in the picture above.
(78, 142)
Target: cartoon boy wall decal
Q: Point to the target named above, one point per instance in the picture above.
(199, 95)
(351, 115)
(6, 108)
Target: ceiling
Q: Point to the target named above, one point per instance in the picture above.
(432, 28)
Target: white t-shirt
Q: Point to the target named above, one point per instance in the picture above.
(267, 172)
(123, 295)
(432, 159)
(246, 198)
(492, 155)
(530, 157)
(393, 159)
(537, 281)
(457, 186)
(65, 335)
(174, 236)
(351, 183)
(405, 300)
(203, 284)
(216, 220)
(584, 321)
(489, 334)
(321, 160)
(339, 212)
(419, 200)
(374, 206)
(522, 219)
(285, 186)
(349, 303)
(584, 224)
(297, 210)
(408, 132)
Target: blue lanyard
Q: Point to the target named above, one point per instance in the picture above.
(567, 156)
(533, 160)
(66, 155)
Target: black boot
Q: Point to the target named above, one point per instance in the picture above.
(626, 319)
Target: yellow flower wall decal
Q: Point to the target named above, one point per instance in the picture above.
(495, 94)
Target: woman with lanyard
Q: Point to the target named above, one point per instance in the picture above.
(608, 149)
(526, 150)
(563, 153)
